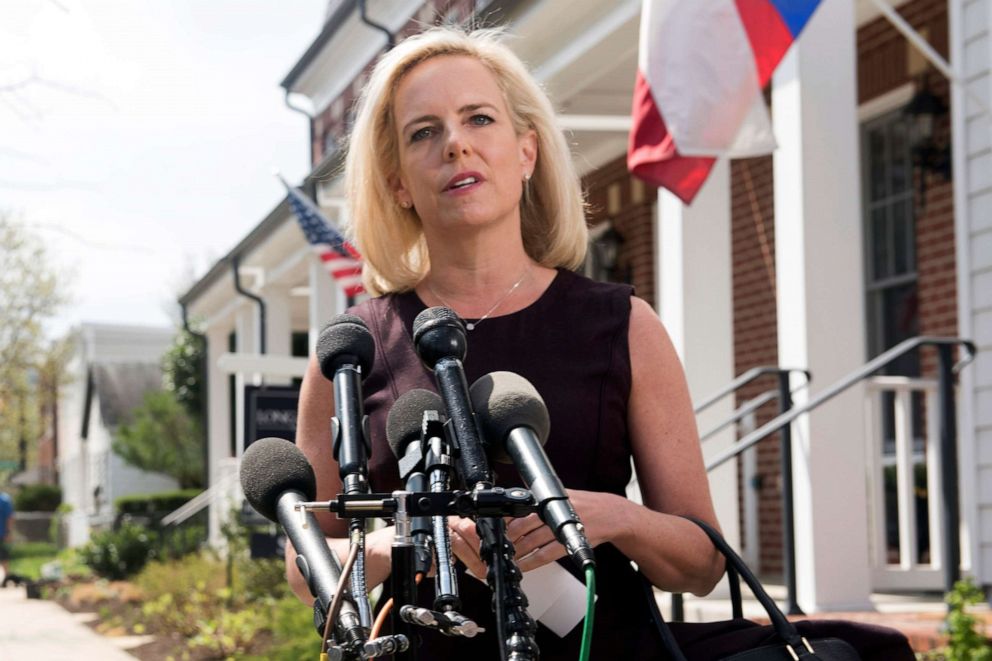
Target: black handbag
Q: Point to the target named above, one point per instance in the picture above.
(741, 640)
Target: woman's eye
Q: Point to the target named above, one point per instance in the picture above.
(481, 120)
(420, 134)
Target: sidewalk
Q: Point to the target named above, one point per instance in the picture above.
(39, 630)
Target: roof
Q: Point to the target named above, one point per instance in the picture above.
(121, 388)
(321, 172)
(494, 13)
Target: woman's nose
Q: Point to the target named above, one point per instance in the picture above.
(457, 146)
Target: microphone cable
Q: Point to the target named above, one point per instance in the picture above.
(380, 619)
(590, 612)
(332, 610)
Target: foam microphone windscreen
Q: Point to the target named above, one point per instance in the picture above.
(406, 417)
(504, 401)
(269, 468)
(432, 317)
(345, 339)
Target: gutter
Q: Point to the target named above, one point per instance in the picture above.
(235, 262)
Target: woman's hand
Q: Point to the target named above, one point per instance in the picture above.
(602, 516)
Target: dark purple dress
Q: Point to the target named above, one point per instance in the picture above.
(572, 345)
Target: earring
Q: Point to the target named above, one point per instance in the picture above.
(405, 204)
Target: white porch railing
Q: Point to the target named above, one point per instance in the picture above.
(912, 448)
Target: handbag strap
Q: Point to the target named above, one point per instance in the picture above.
(667, 639)
(782, 626)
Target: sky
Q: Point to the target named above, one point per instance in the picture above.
(138, 139)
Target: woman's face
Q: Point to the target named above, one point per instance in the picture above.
(461, 162)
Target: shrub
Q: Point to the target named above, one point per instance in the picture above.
(181, 593)
(117, 554)
(38, 498)
(153, 504)
(967, 641)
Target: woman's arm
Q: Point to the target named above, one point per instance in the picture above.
(673, 553)
(313, 436)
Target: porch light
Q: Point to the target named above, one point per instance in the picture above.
(607, 249)
(923, 112)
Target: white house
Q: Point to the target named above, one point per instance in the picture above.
(110, 371)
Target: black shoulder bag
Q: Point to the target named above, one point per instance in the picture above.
(741, 640)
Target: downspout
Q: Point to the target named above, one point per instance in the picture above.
(235, 261)
(306, 114)
(204, 395)
(390, 39)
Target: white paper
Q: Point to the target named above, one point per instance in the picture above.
(555, 598)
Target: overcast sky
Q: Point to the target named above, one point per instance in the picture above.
(138, 137)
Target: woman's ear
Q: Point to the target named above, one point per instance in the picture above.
(400, 192)
(528, 153)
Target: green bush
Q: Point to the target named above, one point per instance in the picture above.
(967, 641)
(154, 504)
(117, 554)
(38, 498)
(293, 633)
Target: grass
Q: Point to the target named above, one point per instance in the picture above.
(26, 559)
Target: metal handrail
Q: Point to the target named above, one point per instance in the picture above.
(867, 369)
(948, 441)
(750, 406)
(744, 379)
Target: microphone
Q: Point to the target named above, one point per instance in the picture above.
(439, 338)
(515, 421)
(275, 476)
(405, 432)
(346, 351)
(416, 434)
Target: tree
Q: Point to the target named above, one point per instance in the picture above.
(183, 367)
(30, 294)
(162, 436)
(165, 433)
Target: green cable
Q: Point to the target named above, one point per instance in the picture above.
(590, 611)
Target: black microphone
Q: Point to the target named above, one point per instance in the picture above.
(275, 476)
(439, 337)
(346, 351)
(515, 422)
(405, 432)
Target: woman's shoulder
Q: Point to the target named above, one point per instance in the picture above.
(586, 294)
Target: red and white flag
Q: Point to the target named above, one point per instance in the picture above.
(701, 68)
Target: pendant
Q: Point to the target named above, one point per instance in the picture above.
(470, 326)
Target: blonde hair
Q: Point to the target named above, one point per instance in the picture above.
(389, 237)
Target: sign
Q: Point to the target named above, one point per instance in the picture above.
(270, 411)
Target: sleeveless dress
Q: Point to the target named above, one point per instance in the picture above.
(572, 345)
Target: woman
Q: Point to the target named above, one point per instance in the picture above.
(464, 195)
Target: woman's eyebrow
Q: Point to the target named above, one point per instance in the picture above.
(470, 107)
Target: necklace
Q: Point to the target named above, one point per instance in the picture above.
(470, 325)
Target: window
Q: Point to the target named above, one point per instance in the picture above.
(890, 236)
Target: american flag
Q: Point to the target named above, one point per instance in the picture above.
(340, 258)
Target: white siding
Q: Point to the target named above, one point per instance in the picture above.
(971, 27)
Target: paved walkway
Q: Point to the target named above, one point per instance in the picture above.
(39, 630)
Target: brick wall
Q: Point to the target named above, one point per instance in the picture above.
(614, 195)
(756, 331)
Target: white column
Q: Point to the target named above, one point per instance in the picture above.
(278, 326)
(219, 432)
(326, 299)
(697, 308)
(246, 342)
(820, 297)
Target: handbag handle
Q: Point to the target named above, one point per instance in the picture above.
(785, 629)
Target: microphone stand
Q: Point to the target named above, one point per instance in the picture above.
(489, 505)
